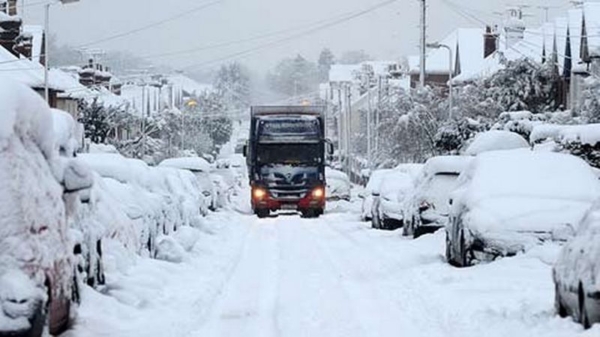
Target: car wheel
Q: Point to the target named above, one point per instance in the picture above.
(583, 315)
(463, 251)
(262, 213)
(448, 249)
(560, 308)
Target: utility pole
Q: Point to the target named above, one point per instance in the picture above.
(423, 43)
(369, 126)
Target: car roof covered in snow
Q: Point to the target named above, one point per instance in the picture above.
(396, 181)
(446, 165)
(375, 179)
(526, 190)
(187, 163)
(495, 140)
(331, 173)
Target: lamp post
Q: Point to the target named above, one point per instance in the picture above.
(46, 44)
(450, 72)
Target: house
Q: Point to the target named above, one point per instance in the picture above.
(571, 43)
(468, 46)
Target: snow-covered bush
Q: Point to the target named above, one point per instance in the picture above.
(580, 140)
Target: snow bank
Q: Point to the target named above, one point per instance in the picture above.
(495, 140)
(168, 249)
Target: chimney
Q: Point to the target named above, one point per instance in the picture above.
(490, 41)
(514, 27)
(12, 7)
(10, 27)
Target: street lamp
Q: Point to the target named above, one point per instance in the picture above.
(46, 44)
(450, 72)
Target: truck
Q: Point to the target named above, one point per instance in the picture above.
(286, 157)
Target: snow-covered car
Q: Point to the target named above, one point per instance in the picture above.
(201, 169)
(338, 185)
(395, 187)
(78, 181)
(495, 140)
(510, 201)
(426, 209)
(372, 188)
(577, 273)
(142, 193)
(36, 254)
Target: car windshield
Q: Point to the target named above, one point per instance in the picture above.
(438, 191)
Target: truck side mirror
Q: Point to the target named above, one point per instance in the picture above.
(329, 147)
(245, 151)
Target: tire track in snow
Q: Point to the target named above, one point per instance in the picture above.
(247, 305)
(367, 276)
(313, 303)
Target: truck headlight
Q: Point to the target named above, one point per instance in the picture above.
(318, 193)
(259, 193)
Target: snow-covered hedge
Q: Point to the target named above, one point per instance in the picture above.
(580, 140)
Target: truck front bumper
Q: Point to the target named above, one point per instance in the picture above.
(263, 199)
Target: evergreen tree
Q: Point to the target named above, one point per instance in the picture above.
(326, 60)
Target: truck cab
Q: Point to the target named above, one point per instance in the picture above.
(286, 157)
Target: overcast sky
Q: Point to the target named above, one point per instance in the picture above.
(387, 33)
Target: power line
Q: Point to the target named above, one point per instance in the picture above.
(294, 36)
(250, 39)
(154, 24)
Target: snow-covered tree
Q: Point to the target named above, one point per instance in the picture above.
(294, 76)
(354, 57)
(589, 107)
(326, 60)
(232, 84)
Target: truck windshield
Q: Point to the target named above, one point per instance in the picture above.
(289, 154)
(301, 128)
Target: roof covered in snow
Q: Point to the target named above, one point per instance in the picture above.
(470, 43)
(25, 71)
(344, 72)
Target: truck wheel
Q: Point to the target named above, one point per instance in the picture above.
(262, 213)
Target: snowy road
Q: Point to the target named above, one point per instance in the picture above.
(333, 276)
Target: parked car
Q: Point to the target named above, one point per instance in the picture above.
(395, 187)
(577, 273)
(338, 185)
(495, 140)
(510, 201)
(372, 187)
(426, 209)
(201, 169)
(37, 274)
(78, 181)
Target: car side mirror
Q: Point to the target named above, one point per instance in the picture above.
(245, 151)
(77, 177)
(375, 194)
